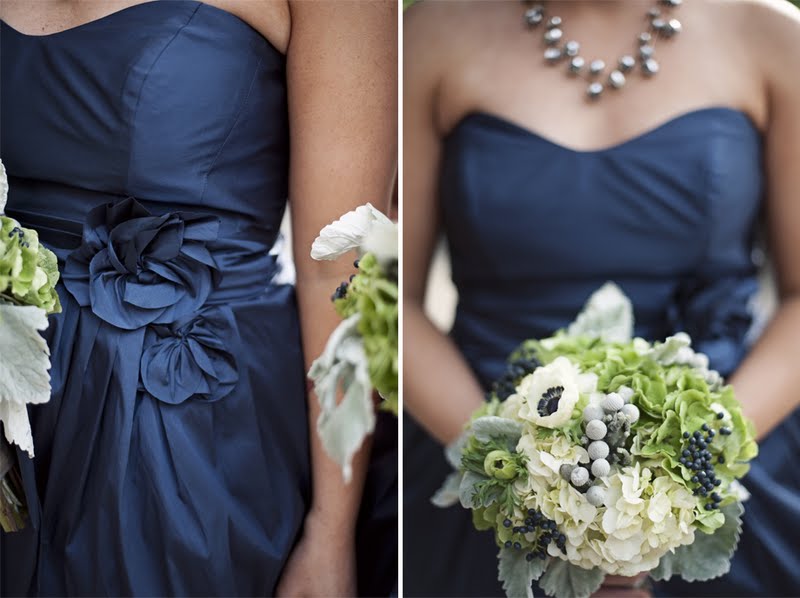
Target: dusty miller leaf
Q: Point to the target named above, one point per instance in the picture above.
(709, 556)
(565, 580)
(517, 574)
(466, 490)
(342, 427)
(3, 188)
(24, 365)
(449, 494)
(608, 314)
(492, 427)
(454, 450)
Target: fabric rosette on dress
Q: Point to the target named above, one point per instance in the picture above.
(135, 269)
(188, 358)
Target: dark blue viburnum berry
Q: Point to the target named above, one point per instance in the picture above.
(508, 543)
(517, 545)
(529, 557)
(507, 523)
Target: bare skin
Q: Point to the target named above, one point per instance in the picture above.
(341, 72)
(462, 57)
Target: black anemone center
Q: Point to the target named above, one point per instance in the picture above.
(498, 464)
(548, 404)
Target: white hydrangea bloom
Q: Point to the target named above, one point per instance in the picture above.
(644, 516)
(560, 372)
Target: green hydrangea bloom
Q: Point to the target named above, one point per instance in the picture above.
(373, 295)
(672, 400)
(28, 270)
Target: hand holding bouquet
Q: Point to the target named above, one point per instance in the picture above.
(361, 354)
(601, 454)
(28, 276)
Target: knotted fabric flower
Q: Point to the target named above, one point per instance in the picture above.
(135, 269)
(189, 358)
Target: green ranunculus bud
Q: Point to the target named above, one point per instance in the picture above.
(500, 465)
(28, 270)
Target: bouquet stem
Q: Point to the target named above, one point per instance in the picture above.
(13, 513)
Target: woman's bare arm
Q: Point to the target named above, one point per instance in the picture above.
(439, 389)
(342, 78)
(768, 382)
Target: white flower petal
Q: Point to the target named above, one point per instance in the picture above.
(347, 233)
(381, 241)
(560, 372)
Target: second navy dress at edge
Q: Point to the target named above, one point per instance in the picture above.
(150, 150)
(533, 229)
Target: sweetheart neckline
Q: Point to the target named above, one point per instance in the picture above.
(514, 127)
(128, 9)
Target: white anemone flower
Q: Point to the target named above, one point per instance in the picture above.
(561, 379)
(349, 232)
(342, 427)
(381, 241)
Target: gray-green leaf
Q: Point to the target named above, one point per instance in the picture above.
(709, 556)
(565, 580)
(454, 450)
(492, 427)
(24, 377)
(608, 314)
(449, 494)
(517, 574)
(466, 490)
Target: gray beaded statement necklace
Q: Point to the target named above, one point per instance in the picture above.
(661, 25)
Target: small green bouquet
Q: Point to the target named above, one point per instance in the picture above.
(28, 277)
(599, 453)
(362, 353)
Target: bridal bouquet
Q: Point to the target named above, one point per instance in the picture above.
(361, 354)
(599, 453)
(28, 276)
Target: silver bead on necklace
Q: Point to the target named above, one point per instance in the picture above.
(661, 25)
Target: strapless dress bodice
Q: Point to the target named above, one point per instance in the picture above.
(178, 104)
(534, 227)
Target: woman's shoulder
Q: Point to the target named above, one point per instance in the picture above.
(771, 31)
(761, 24)
(453, 28)
(271, 18)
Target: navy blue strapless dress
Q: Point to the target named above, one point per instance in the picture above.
(150, 150)
(533, 229)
